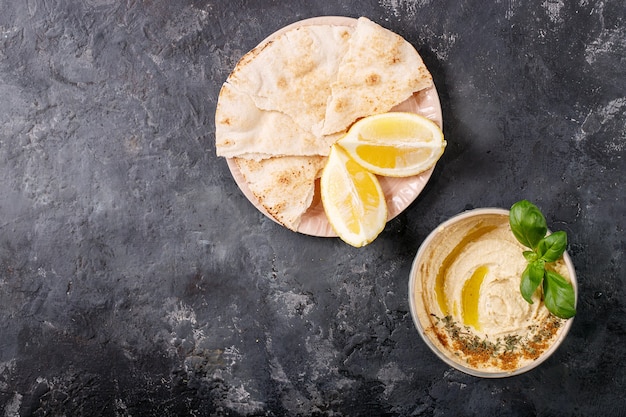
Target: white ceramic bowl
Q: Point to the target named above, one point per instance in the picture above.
(450, 234)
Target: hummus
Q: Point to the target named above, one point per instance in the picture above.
(466, 298)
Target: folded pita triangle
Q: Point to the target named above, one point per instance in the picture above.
(379, 70)
(284, 186)
(245, 131)
(292, 73)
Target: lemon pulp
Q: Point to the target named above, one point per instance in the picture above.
(387, 156)
(364, 191)
(392, 129)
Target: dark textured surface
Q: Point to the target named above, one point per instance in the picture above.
(136, 280)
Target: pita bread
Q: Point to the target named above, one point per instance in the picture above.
(243, 130)
(292, 73)
(380, 70)
(284, 186)
(288, 100)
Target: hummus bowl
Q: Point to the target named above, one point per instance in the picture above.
(465, 300)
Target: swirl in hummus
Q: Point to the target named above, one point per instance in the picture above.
(466, 296)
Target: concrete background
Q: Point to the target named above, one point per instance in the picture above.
(137, 280)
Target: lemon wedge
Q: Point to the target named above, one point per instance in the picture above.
(352, 198)
(395, 144)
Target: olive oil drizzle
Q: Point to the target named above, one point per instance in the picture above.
(440, 283)
(470, 297)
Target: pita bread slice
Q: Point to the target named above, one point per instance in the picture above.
(243, 130)
(284, 186)
(292, 73)
(379, 70)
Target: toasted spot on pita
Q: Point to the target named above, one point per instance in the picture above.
(372, 79)
(340, 105)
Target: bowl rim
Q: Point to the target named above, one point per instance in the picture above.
(441, 355)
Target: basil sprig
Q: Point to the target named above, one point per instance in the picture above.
(529, 227)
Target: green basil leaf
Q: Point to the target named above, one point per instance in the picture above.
(527, 223)
(531, 278)
(530, 256)
(551, 247)
(559, 295)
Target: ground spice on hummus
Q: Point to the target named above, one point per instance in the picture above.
(504, 353)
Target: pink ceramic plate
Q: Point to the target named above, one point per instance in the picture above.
(399, 192)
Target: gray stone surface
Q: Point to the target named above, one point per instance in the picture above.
(136, 279)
